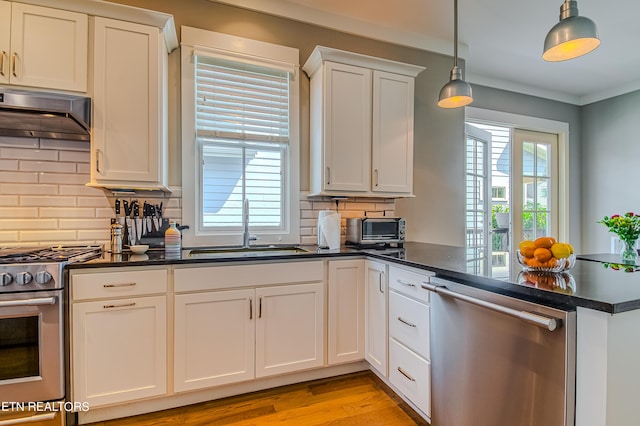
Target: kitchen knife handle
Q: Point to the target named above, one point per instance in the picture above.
(4, 53)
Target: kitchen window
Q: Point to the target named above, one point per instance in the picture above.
(240, 139)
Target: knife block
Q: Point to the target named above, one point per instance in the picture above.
(155, 238)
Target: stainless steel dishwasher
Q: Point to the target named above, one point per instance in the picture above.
(499, 361)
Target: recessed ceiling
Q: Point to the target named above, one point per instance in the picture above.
(501, 40)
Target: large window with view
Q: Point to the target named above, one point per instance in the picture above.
(240, 139)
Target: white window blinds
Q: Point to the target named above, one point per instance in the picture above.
(243, 101)
(242, 128)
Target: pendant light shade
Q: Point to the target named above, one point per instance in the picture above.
(573, 36)
(457, 92)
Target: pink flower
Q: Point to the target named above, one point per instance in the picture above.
(629, 214)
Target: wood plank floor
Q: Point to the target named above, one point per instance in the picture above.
(359, 399)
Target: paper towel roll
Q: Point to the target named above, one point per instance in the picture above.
(329, 229)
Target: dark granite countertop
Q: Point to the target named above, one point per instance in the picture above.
(592, 283)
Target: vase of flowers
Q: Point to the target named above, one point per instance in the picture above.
(627, 228)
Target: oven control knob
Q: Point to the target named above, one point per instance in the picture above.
(43, 277)
(5, 279)
(23, 278)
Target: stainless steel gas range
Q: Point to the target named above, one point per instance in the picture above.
(32, 328)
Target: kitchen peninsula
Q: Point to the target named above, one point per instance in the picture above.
(606, 303)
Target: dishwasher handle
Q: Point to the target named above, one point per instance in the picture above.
(550, 324)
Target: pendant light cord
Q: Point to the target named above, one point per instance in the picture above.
(455, 33)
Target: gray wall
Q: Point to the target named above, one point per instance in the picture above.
(436, 214)
(611, 170)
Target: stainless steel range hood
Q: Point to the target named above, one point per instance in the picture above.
(44, 115)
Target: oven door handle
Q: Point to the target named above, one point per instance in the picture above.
(30, 419)
(29, 302)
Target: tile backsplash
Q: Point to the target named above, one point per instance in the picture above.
(350, 207)
(44, 200)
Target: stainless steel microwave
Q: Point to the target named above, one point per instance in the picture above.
(375, 230)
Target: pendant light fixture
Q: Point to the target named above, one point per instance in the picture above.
(457, 92)
(573, 36)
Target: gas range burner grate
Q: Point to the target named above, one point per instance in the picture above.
(48, 254)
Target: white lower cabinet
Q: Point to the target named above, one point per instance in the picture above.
(289, 328)
(409, 337)
(268, 326)
(376, 315)
(118, 336)
(213, 339)
(345, 319)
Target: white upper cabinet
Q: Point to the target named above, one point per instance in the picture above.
(361, 124)
(347, 117)
(392, 135)
(129, 88)
(43, 47)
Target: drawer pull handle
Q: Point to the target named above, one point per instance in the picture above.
(124, 305)
(406, 322)
(405, 374)
(119, 285)
(251, 308)
(407, 283)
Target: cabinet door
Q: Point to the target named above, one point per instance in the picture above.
(119, 350)
(346, 311)
(347, 128)
(128, 104)
(213, 339)
(48, 48)
(392, 139)
(289, 328)
(5, 40)
(376, 315)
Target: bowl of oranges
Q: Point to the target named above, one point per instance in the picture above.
(545, 254)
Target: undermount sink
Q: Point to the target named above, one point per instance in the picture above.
(245, 252)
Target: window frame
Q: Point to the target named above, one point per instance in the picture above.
(237, 49)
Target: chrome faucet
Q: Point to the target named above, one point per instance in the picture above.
(246, 237)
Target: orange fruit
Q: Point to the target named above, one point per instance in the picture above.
(527, 251)
(526, 248)
(542, 254)
(533, 262)
(544, 242)
(525, 243)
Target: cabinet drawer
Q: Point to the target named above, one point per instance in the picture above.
(409, 323)
(411, 375)
(409, 282)
(238, 276)
(119, 283)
